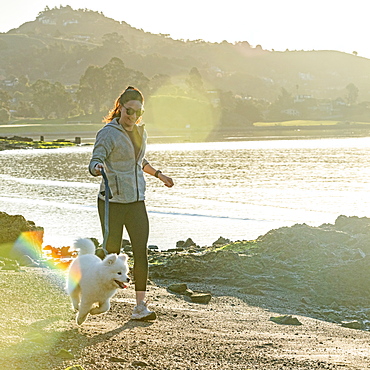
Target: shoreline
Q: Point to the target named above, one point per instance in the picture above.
(318, 276)
(186, 136)
(232, 331)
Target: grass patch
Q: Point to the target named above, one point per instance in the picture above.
(240, 246)
(18, 144)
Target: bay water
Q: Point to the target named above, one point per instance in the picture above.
(237, 189)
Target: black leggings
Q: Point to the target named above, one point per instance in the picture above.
(135, 218)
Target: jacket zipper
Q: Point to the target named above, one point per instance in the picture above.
(136, 158)
(116, 178)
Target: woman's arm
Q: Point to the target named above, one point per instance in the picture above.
(152, 171)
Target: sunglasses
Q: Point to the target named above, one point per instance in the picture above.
(130, 111)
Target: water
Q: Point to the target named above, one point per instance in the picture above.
(238, 190)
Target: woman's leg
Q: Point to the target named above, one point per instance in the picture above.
(137, 225)
(116, 223)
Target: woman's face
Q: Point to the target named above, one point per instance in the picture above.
(131, 113)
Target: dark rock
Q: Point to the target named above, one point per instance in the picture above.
(178, 288)
(19, 237)
(201, 297)
(286, 320)
(125, 242)
(185, 245)
(139, 364)
(116, 359)
(63, 353)
(221, 241)
(20, 138)
(175, 250)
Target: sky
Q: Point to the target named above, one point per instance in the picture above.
(273, 24)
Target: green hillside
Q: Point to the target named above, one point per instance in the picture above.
(70, 63)
(62, 43)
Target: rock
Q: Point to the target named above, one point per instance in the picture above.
(63, 353)
(125, 242)
(178, 288)
(19, 237)
(352, 324)
(221, 241)
(116, 359)
(285, 320)
(35, 337)
(201, 297)
(188, 292)
(179, 249)
(127, 248)
(139, 364)
(185, 245)
(75, 367)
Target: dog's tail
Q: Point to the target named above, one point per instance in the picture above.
(84, 246)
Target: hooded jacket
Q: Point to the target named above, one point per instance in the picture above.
(114, 149)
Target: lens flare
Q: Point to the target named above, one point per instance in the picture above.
(192, 117)
(37, 311)
(28, 244)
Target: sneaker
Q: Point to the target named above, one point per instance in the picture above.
(141, 312)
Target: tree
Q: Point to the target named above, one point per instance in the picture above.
(4, 115)
(195, 80)
(92, 90)
(52, 98)
(352, 93)
(118, 77)
(285, 99)
(4, 99)
(114, 40)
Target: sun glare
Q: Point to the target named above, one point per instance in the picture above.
(192, 116)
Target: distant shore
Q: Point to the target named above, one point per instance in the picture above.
(86, 127)
(86, 133)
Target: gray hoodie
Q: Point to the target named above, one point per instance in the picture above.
(113, 148)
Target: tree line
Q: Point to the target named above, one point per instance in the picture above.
(99, 86)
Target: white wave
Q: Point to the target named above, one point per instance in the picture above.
(46, 203)
(44, 182)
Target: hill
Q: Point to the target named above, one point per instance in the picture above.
(61, 43)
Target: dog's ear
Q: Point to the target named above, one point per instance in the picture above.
(123, 257)
(110, 259)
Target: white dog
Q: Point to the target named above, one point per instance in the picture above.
(93, 282)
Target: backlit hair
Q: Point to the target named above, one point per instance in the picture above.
(131, 93)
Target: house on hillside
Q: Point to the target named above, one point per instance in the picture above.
(302, 98)
(70, 21)
(291, 112)
(47, 20)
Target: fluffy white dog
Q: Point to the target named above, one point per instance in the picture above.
(93, 282)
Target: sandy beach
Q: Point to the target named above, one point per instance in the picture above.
(232, 331)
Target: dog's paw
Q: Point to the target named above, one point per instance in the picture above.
(81, 319)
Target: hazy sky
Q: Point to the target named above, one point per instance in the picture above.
(274, 24)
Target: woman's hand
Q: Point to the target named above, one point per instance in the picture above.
(166, 180)
(98, 167)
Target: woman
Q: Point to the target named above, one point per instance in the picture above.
(119, 150)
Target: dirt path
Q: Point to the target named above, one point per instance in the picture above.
(227, 333)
